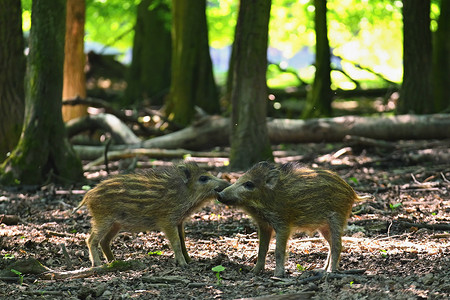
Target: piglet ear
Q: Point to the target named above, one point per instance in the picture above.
(272, 178)
(185, 173)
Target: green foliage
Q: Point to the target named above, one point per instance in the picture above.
(300, 267)
(217, 270)
(221, 18)
(354, 180)
(86, 187)
(8, 256)
(154, 253)
(110, 22)
(395, 205)
(18, 273)
(119, 265)
(362, 31)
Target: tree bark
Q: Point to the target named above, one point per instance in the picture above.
(441, 60)
(12, 62)
(149, 74)
(416, 93)
(74, 83)
(249, 138)
(43, 148)
(192, 81)
(320, 98)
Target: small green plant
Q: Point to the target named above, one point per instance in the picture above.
(8, 256)
(154, 253)
(18, 273)
(218, 269)
(383, 253)
(395, 206)
(300, 267)
(86, 187)
(354, 179)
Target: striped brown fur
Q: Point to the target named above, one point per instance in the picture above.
(290, 197)
(159, 199)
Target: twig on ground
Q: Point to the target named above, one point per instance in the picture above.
(66, 256)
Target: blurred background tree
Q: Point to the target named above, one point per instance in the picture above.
(148, 77)
(192, 80)
(416, 92)
(12, 62)
(441, 59)
(43, 149)
(320, 97)
(74, 83)
(364, 58)
(249, 137)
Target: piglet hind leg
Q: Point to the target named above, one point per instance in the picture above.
(332, 232)
(105, 242)
(92, 243)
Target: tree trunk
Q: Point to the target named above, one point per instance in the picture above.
(12, 62)
(149, 74)
(192, 80)
(441, 60)
(415, 94)
(43, 148)
(74, 60)
(320, 98)
(249, 138)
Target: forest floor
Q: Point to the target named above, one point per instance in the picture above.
(397, 246)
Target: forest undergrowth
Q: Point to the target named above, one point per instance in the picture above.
(396, 246)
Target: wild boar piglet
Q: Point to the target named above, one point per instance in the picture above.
(158, 199)
(288, 197)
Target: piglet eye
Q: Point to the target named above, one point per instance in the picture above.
(203, 179)
(249, 185)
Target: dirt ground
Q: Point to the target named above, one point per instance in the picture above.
(396, 246)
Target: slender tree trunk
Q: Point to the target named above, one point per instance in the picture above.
(192, 77)
(249, 137)
(43, 148)
(12, 62)
(74, 60)
(149, 74)
(320, 98)
(416, 92)
(441, 60)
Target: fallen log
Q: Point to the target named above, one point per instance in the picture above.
(106, 106)
(214, 131)
(402, 127)
(207, 133)
(120, 132)
(130, 153)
